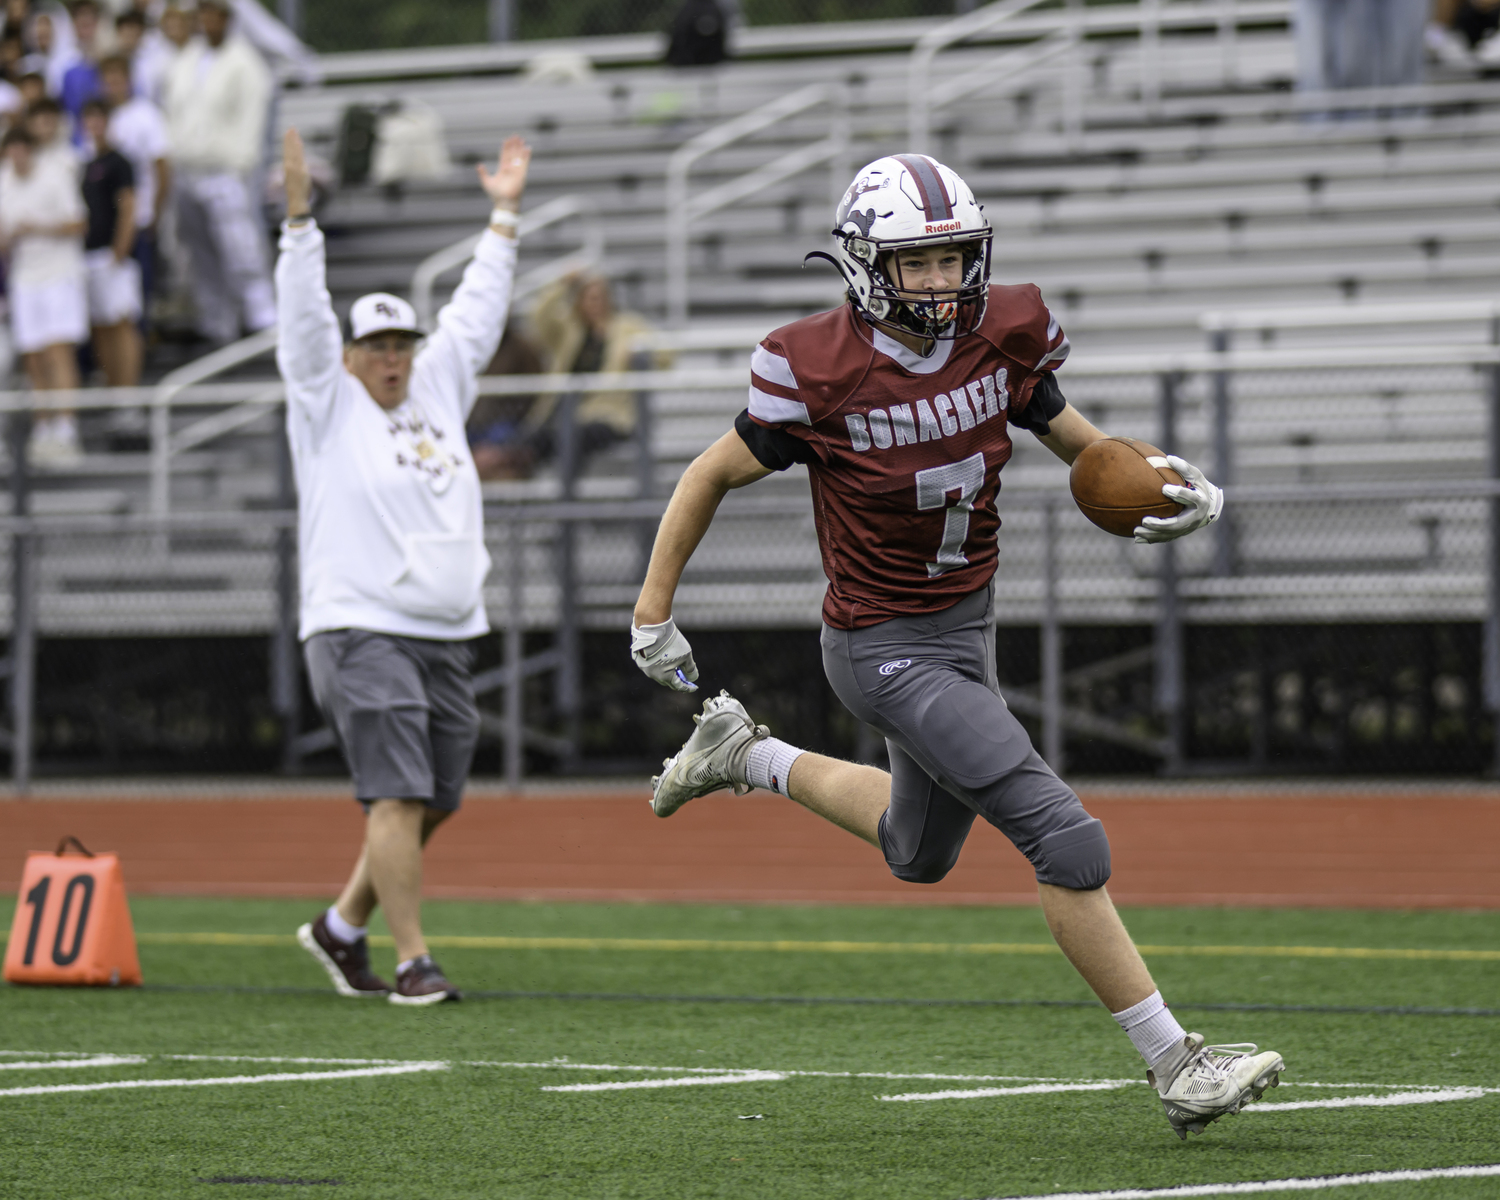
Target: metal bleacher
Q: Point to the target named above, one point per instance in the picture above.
(1145, 178)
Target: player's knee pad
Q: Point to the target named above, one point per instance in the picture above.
(1076, 857)
(921, 863)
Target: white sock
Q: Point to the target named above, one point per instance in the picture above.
(402, 966)
(341, 928)
(65, 428)
(1151, 1028)
(769, 764)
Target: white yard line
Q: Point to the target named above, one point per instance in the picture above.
(1427, 1096)
(1028, 1090)
(94, 1060)
(622, 1085)
(278, 1058)
(1413, 1095)
(565, 1065)
(47, 1054)
(284, 1077)
(671, 1076)
(1314, 1184)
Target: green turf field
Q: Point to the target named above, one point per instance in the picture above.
(460, 1100)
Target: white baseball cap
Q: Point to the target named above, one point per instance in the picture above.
(381, 312)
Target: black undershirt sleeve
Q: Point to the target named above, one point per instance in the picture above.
(774, 448)
(1046, 402)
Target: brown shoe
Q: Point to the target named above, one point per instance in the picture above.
(423, 982)
(347, 963)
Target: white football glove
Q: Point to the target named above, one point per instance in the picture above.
(664, 655)
(1202, 500)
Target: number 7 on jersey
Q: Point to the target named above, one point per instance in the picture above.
(933, 486)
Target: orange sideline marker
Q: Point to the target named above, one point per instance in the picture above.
(72, 924)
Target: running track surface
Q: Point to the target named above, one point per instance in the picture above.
(1318, 846)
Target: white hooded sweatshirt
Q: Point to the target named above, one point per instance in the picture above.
(391, 527)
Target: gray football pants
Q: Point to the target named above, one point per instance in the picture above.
(928, 685)
(226, 243)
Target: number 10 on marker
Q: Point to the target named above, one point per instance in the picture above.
(72, 925)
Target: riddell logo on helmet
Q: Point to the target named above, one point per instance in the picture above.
(944, 227)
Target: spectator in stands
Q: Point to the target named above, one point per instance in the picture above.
(80, 82)
(579, 330)
(33, 87)
(12, 51)
(1359, 43)
(40, 36)
(218, 93)
(177, 27)
(53, 44)
(114, 276)
(497, 426)
(52, 133)
(138, 130)
(147, 51)
(42, 225)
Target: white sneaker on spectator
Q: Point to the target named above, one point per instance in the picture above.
(1487, 53)
(1449, 48)
(54, 443)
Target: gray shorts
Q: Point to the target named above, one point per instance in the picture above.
(403, 711)
(928, 685)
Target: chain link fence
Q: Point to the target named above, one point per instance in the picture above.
(1335, 618)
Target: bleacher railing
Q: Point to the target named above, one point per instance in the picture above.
(1043, 32)
(1377, 548)
(684, 210)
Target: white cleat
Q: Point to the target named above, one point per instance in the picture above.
(1198, 1084)
(712, 759)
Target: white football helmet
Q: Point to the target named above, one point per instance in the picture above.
(898, 202)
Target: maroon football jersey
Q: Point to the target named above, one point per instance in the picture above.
(905, 451)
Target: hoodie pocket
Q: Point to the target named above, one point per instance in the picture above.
(442, 575)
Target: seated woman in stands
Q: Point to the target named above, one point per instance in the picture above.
(578, 331)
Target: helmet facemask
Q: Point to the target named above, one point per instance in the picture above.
(897, 306)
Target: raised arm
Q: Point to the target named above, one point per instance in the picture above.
(658, 649)
(470, 325)
(310, 347)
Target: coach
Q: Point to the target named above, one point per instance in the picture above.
(391, 544)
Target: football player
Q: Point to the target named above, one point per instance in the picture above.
(901, 404)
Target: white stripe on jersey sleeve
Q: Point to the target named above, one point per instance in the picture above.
(1059, 351)
(772, 368)
(1056, 354)
(777, 410)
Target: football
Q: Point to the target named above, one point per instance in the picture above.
(1117, 481)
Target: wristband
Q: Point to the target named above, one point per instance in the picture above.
(506, 218)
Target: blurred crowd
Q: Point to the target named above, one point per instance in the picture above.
(131, 135)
